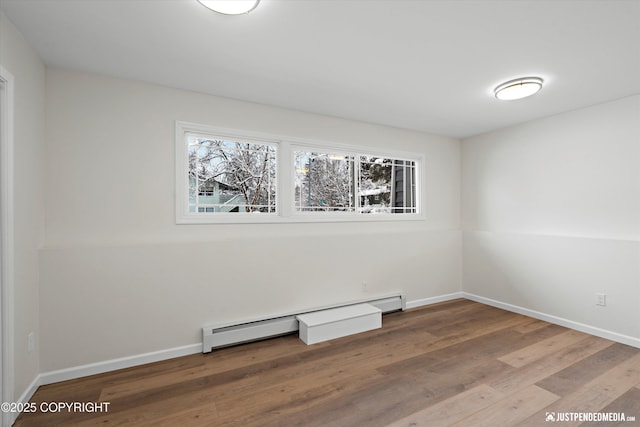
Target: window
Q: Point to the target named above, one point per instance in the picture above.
(224, 175)
(324, 182)
(336, 182)
(231, 175)
(387, 185)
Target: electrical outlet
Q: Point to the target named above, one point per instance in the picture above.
(364, 286)
(601, 299)
(31, 345)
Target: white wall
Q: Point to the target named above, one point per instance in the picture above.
(551, 215)
(120, 278)
(29, 72)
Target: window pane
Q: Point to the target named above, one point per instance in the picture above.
(386, 185)
(324, 182)
(231, 176)
(403, 195)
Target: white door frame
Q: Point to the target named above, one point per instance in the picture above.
(6, 238)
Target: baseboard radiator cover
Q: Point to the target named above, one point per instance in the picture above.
(258, 329)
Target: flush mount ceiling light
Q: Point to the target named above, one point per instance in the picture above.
(230, 7)
(518, 88)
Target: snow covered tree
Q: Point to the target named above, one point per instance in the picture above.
(324, 182)
(237, 169)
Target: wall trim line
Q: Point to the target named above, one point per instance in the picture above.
(433, 300)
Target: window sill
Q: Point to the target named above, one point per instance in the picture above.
(297, 218)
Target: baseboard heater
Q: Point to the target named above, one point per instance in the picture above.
(258, 329)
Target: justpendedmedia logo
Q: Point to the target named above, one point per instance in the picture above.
(601, 417)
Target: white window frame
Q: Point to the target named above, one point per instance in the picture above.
(285, 178)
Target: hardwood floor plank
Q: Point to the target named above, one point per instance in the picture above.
(542, 348)
(512, 409)
(478, 350)
(580, 373)
(396, 396)
(531, 325)
(443, 313)
(627, 404)
(599, 392)
(464, 333)
(452, 410)
(549, 365)
(298, 408)
(611, 383)
(481, 315)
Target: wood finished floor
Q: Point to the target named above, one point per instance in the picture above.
(455, 363)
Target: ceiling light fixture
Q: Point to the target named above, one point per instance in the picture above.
(518, 88)
(230, 7)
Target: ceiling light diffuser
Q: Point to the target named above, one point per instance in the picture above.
(230, 7)
(518, 88)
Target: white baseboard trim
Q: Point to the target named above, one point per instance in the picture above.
(592, 330)
(433, 300)
(26, 397)
(115, 364)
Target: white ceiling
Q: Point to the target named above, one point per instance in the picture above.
(426, 65)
